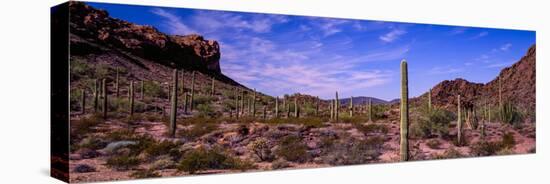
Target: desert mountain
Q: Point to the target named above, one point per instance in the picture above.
(518, 86)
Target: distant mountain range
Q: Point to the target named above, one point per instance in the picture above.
(364, 100)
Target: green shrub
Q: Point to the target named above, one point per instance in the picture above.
(508, 141)
(123, 162)
(154, 89)
(432, 123)
(279, 164)
(198, 130)
(292, 149)
(449, 153)
(260, 147)
(371, 128)
(510, 114)
(206, 110)
(433, 143)
(203, 99)
(85, 125)
(203, 159)
(161, 148)
(147, 173)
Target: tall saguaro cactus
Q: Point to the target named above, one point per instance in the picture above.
(370, 109)
(185, 102)
(277, 107)
(500, 104)
(317, 106)
(430, 100)
(404, 150)
(236, 102)
(96, 95)
(351, 107)
(142, 89)
(83, 94)
(254, 103)
(212, 90)
(265, 113)
(131, 98)
(336, 104)
(288, 110)
(296, 111)
(117, 85)
(104, 90)
(459, 121)
(331, 107)
(242, 102)
(191, 103)
(174, 103)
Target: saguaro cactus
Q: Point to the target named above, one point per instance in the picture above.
(430, 100)
(83, 94)
(236, 102)
(174, 103)
(117, 89)
(254, 103)
(336, 104)
(96, 95)
(288, 110)
(242, 101)
(404, 150)
(104, 90)
(277, 107)
(142, 89)
(317, 106)
(185, 102)
(131, 98)
(191, 103)
(351, 107)
(459, 122)
(212, 90)
(331, 107)
(296, 111)
(265, 112)
(370, 109)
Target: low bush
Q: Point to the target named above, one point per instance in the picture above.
(123, 162)
(197, 130)
(433, 143)
(260, 147)
(292, 149)
(432, 123)
(371, 128)
(203, 159)
(147, 173)
(449, 153)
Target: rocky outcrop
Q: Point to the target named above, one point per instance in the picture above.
(518, 86)
(189, 51)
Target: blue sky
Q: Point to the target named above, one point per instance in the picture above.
(279, 54)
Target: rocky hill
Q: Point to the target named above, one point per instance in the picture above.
(518, 86)
(91, 27)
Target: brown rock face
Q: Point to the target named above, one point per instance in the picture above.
(518, 87)
(189, 51)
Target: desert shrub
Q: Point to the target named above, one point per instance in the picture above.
(198, 130)
(75, 100)
(354, 151)
(206, 110)
(154, 89)
(147, 173)
(91, 142)
(243, 130)
(203, 99)
(510, 114)
(102, 71)
(160, 148)
(449, 153)
(345, 118)
(432, 123)
(378, 111)
(433, 143)
(123, 162)
(202, 159)
(485, 148)
(292, 149)
(371, 128)
(279, 164)
(311, 122)
(260, 147)
(507, 140)
(85, 125)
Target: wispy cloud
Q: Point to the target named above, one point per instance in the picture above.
(173, 22)
(499, 65)
(393, 35)
(458, 30)
(480, 35)
(445, 70)
(505, 47)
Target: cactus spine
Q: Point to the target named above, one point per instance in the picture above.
(212, 90)
(336, 104)
(117, 89)
(277, 107)
(104, 91)
(191, 103)
(351, 107)
(459, 122)
(131, 98)
(83, 94)
(404, 112)
(370, 110)
(254, 103)
(174, 103)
